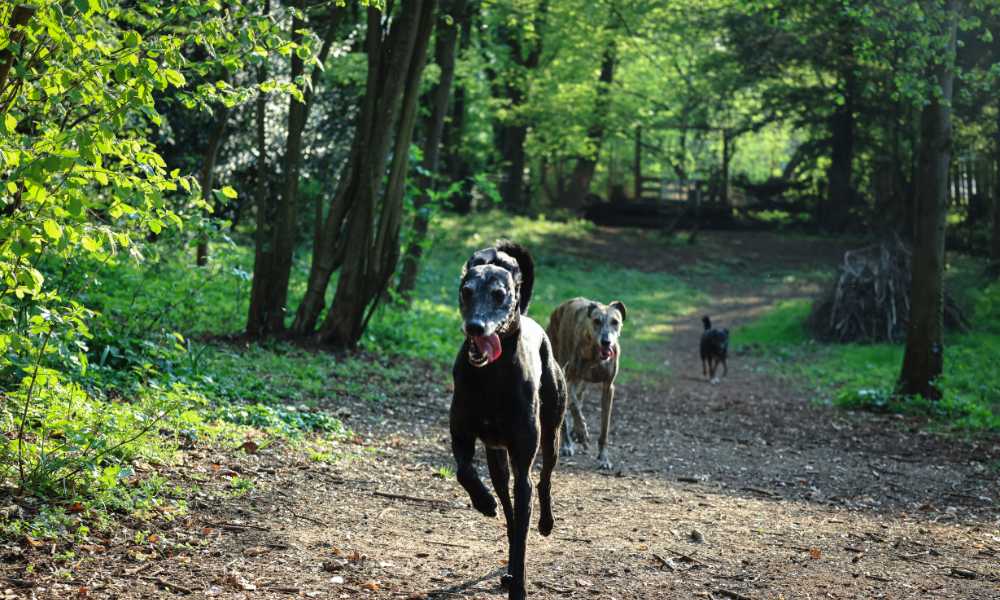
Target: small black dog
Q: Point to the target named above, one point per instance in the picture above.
(714, 348)
(509, 392)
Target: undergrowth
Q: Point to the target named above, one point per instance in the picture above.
(863, 376)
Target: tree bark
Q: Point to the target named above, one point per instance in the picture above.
(258, 318)
(390, 56)
(456, 165)
(444, 55)
(583, 170)
(511, 136)
(276, 247)
(923, 360)
(840, 193)
(207, 176)
(19, 17)
(373, 245)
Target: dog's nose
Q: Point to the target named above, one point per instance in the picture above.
(475, 327)
(606, 343)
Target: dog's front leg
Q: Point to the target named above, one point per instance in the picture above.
(607, 402)
(519, 539)
(464, 448)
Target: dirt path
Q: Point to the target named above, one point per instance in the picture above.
(741, 490)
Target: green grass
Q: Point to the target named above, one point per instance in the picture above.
(863, 376)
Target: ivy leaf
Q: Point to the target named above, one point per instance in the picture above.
(10, 123)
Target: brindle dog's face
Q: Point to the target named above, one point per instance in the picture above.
(606, 323)
(487, 299)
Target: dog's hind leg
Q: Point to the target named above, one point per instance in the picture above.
(725, 367)
(464, 448)
(580, 432)
(607, 403)
(550, 438)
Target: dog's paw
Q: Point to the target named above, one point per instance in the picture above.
(567, 451)
(486, 504)
(715, 381)
(505, 581)
(603, 462)
(545, 524)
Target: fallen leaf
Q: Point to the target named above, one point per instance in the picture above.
(371, 585)
(250, 447)
(814, 553)
(76, 507)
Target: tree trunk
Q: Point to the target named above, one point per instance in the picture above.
(207, 178)
(513, 135)
(258, 318)
(373, 245)
(840, 193)
(276, 249)
(583, 170)
(444, 56)
(19, 17)
(390, 57)
(923, 360)
(456, 165)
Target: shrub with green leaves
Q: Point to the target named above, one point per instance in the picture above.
(84, 186)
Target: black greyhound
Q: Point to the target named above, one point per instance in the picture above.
(509, 393)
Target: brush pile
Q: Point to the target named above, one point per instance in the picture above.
(870, 300)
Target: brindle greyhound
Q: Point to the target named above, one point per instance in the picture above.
(584, 336)
(509, 393)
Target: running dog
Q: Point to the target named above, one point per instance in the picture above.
(509, 393)
(584, 336)
(714, 349)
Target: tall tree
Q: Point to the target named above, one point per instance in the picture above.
(368, 247)
(207, 176)
(923, 360)
(523, 40)
(275, 243)
(583, 170)
(452, 13)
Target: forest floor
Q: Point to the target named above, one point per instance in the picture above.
(746, 489)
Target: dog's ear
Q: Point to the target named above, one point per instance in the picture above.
(525, 276)
(620, 306)
(591, 308)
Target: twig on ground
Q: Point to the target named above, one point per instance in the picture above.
(760, 491)
(410, 498)
(553, 587)
(305, 518)
(448, 544)
(173, 587)
(663, 562)
(686, 556)
(730, 594)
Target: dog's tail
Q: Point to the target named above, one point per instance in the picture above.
(707, 322)
(527, 266)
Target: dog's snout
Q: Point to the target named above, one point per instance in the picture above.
(475, 327)
(606, 342)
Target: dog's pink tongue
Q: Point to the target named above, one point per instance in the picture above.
(489, 345)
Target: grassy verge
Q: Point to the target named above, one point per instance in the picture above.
(863, 376)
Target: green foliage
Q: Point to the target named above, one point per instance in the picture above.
(864, 375)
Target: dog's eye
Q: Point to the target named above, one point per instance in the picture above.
(597, 322)
(466, 293)
(614, 322)
(498, 296)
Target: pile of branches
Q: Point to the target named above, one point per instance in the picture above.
(870, 300)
